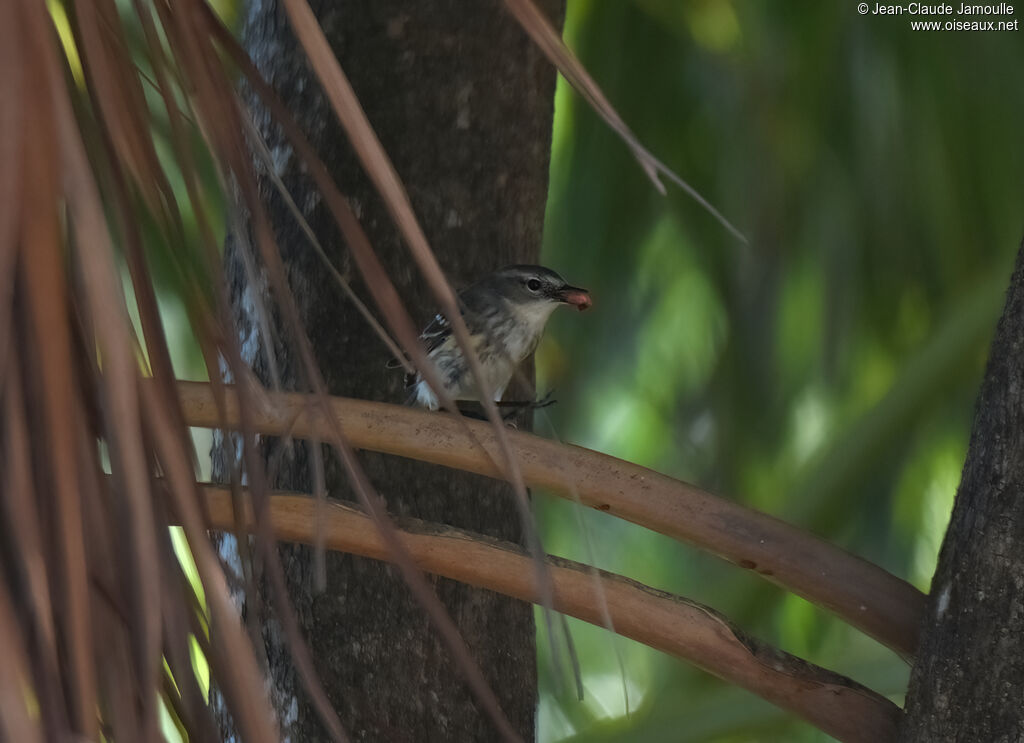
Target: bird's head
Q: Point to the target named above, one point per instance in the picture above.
(537, 286)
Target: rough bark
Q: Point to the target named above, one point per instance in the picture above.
(463, 103)
(968, 682)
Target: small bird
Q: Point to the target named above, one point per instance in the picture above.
(505, 313)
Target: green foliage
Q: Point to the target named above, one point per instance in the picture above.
(826, 372)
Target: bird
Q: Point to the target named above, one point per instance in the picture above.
(506, 313)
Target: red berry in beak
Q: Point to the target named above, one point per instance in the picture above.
(578, 298)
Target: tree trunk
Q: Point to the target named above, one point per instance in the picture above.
(968, 681)
(463, 103)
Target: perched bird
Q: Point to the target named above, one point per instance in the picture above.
(505, 313)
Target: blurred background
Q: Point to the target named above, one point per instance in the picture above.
(826, 372)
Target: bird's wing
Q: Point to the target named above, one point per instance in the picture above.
(436, 333)
(433, 336)
(473, 308)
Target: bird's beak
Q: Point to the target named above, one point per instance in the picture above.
(578, 298)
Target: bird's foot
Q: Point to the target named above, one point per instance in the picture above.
(515, 407)
(508, 409)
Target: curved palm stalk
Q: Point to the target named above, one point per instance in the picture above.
(862, 594)
(672, 624)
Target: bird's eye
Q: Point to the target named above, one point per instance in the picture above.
(533, 285)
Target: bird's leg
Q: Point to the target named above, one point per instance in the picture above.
(545, 401)
(521, 406)
(509, 409)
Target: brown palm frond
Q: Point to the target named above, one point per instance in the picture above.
(672, 624)
(861, 593)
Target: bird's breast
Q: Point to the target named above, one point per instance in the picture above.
(520, 343)
(524, 332)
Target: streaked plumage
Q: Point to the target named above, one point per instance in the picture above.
(505, 313)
